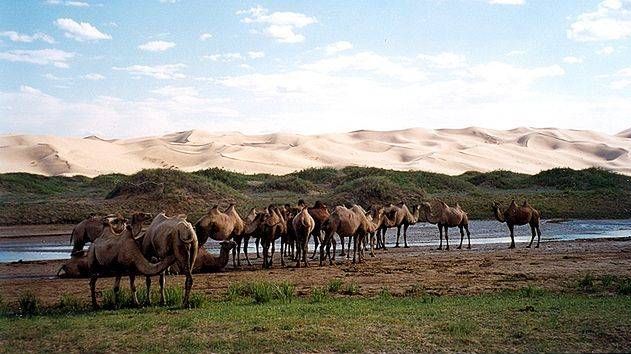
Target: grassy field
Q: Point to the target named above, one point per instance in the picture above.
(266, 317)
(557, 193)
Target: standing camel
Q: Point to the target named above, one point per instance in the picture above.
(221, 226)
(168, 236)
(401, 216)
(119, 254)
(320, 214)
(303, 225)
(517, 216)
(91, 228)
(445, 217)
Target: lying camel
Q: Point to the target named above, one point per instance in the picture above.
(171, 236)
(209, 263)
(119, 254)
(303, 225)
(90, 229)
(401, 216)
(221, 226)
(519, 215)
(346, 223)
(445, 217)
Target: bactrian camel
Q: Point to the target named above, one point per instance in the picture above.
(119, 254)
(445, 217)
(205, 262)
(303, 225)
(519, 215)
(221, 226)
(401, 217)
(168, 236)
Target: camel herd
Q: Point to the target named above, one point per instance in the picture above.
(120, 248)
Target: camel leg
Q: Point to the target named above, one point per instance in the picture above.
(257, 241)
(246, 241)
(355, 245)
(326, 242)
(398, 235)
(264, 244)
(440, 230)
(383, 238)
(148, 281)
(348, 249)
(534, 233)
(117, 289)
(405, 236)
(461, 235)
(372, 245)
(188, 285)
(162, 281)
(466, 227)
(538, 236)
(512, 236)
(283, 248)
(271, 259)
(446, 237)
(316, 242)
(342, 242)
(334, 243)
(132, 287)
(93, 291)
(305, 250)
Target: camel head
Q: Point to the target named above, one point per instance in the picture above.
(140, 218)
(319, 205)
(116, 223)
(301, 203)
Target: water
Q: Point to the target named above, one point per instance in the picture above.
(482, 232)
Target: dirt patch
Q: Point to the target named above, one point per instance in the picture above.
(402, 271)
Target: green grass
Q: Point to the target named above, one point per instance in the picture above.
(557, 193)
(507, 321)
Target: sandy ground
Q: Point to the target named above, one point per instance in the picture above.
(556, 265)
(450, 151)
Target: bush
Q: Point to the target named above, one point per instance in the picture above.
(28, 304)
(262, 292)
(287, 183)
(70, 304)
(318, 295)
(586, 283)
(531, 291)
(624, 286)
(335, 285)
(351, 289)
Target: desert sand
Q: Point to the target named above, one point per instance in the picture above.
(450, 151)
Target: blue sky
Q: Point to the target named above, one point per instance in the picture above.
(134, 68)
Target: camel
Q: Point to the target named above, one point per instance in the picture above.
(209, 263)
(346, 222)
(303, 225)
(90, 229)
(517, 216)
(76, 267)
(168, 236)
(401, 216)
(221, 226)
(252, 224)
(446, 217)
(320, 214)
(270, 225)
(120, 254)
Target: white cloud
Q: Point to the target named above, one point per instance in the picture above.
(20, 37)
(256, 55)
(175, 91)
(53, 77)
(80, 31)
(611, 21)
(156, 46)
(605, 51)
(93, 77)
(444, 60)
(160, 72)
(281, 26)
(572, 60)
(56, 57)
(337, 47)
(68, 3)
(168, 1)
(506, 2)
(205, 36)
(225, 57)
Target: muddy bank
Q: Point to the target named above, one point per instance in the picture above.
(491, 267)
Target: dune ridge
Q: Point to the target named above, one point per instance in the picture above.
(450, 151)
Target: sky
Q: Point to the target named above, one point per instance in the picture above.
(137, 68)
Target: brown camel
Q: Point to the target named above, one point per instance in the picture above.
(320, 214)
(252, 222)
(303, 225)
(445, 217)
(90, 229)
(119, 254)
(221, 226)
(209, 263)
(517, 216)
(346, 222)
(168, 236)
(76, 267)
(401, 216)
(378, 216)
(269, 225)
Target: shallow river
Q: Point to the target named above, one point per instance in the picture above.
(482, 232)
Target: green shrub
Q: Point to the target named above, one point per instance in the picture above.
(287, 183)
(531, 291)
(335, 285)
(70, 304)
(28, 304)
(318, 295)
(351, 289)
(197, 300)
(384, 294)
(587, 283)
(262, 292)
(624, 286)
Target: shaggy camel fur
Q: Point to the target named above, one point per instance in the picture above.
(209, 263)
(167, 236)
(90, 229)
(221, 226)
(346, 223)
(120, 254)
(517, 216)
(303, 225)
(445, 217)
(401, 217)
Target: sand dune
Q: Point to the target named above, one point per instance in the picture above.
(450, 151)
